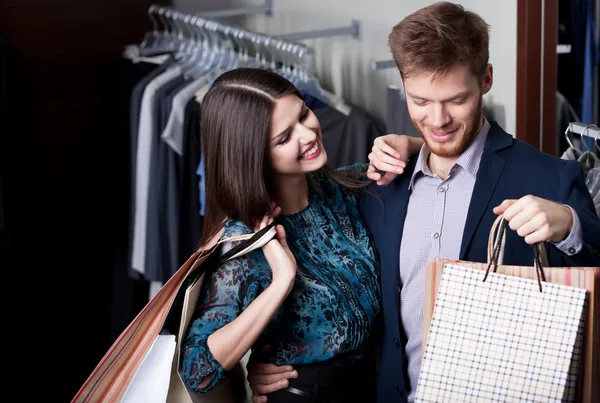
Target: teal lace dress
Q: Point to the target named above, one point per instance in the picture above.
(332, 308)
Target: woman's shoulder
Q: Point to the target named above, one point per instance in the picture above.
(233, 229)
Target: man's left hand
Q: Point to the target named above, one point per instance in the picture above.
(537, 220)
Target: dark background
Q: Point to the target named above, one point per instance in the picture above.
(59, 181)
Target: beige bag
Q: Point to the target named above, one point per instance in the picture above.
(588, 387)
(115, 372)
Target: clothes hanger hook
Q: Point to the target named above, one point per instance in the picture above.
(567, 135)
(161, 17)
(151, 12)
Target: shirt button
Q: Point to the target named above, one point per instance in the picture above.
(436, 235)
(441, 189)
(572, 251)
(397, 342)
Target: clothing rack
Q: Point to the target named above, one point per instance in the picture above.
(266, 9)
(383, 65)
(388, 64)
(175, 23)
(584, 130)
(353, 30)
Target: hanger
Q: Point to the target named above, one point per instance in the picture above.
(584, 132)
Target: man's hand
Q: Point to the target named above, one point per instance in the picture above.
(267, 378)
(537, 220)
(389, 155)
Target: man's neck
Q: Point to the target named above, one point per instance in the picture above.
(441, 166)
(292, 193)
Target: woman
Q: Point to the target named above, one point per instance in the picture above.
(312, 294)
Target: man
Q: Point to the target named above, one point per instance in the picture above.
(468, 172)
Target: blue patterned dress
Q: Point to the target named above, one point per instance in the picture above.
(332, 307)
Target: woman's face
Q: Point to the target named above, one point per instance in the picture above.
(295, 144)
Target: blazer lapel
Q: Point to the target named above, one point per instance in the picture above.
(490, 170)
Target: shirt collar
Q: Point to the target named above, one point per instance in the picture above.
(469, 160)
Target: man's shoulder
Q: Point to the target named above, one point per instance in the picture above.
(522, 155)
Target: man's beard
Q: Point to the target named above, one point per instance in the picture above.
(451, 151)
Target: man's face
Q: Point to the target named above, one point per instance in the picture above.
(447, 109)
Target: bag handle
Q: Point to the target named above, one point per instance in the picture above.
(496, 245)
(252, 242)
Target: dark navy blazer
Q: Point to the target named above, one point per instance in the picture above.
(510, 169)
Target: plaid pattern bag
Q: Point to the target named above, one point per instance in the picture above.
(112, 376)
(581, 346)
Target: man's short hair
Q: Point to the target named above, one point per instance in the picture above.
(439, 37)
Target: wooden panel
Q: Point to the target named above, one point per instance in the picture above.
(550, 77)
(529, 18)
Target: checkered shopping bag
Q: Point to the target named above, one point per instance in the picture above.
(496, 333)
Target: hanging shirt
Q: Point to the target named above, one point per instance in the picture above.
(146, 148)
(398, 120)
(200, 171)
(348, 139)
(334, 301)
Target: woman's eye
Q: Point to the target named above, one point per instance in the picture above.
(284, 139)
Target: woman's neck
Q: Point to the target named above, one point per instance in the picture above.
(292, 193)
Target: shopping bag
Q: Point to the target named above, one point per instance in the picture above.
(114, 374)
(151, 382)
(578, 385)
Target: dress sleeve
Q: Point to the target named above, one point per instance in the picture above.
(226, 292)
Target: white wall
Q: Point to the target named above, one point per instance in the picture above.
(343, 64)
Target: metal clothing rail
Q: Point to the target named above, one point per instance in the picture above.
(266, 8)
(353, 30)
(229, 31)
(388, 64)
(383, 65)
(582, 129)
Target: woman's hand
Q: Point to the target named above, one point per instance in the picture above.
(278, 254)
(389, 155)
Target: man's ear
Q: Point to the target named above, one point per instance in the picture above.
(488, 79)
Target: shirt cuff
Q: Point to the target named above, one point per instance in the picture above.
(573, 243)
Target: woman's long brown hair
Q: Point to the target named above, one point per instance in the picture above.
(234, 129)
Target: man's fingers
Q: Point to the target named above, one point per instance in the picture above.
(503, 206)
(259, 399)
(536, 237)
(266, 389)
(273, 378)
(270, 369)
(513, 209)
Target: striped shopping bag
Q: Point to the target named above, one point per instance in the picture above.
(110, 380)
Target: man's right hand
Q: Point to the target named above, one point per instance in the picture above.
(267, 378)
